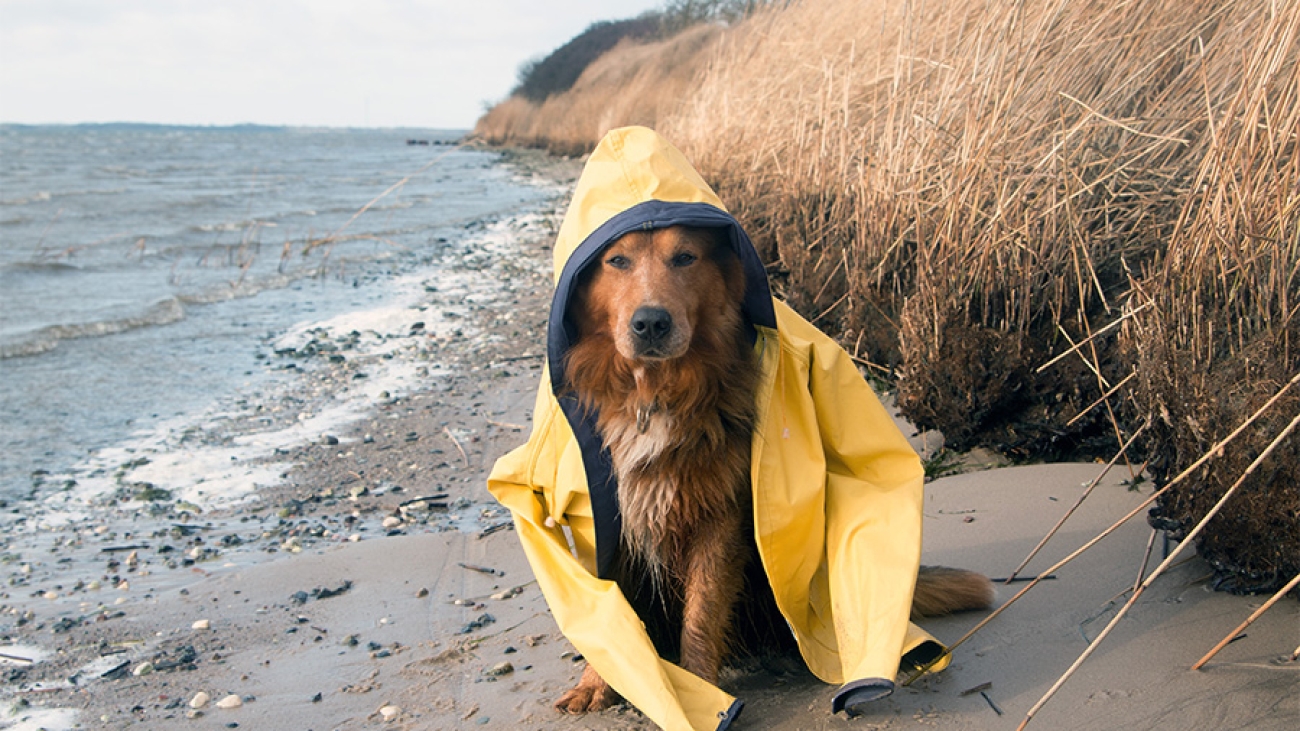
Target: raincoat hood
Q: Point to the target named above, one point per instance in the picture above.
(836, 488)
(636, 180)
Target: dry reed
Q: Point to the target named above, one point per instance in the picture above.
(634, 83)
(961, 191)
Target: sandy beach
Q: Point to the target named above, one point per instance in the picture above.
(327, 556)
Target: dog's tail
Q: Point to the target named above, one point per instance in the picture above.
(941, 590)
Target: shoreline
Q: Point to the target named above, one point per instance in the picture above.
(374, 585)
(303, 464)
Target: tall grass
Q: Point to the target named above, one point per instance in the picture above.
(960, 188)
(1222, 332)
(634, 83)
(961, 191)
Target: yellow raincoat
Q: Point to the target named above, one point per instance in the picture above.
(836, 487)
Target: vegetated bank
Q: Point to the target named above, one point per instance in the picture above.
(962, 192)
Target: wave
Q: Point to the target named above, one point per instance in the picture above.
(39, 197)
(39, 267)
(163, 312)
(46, 196)
(240, 290)
(225, 226)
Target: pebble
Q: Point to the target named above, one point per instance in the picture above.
(422, 593)
(200, 700)
(51, 595)
(389, 712)
(501, 668)
(143, 668)
(230, 701)
(508, 593)
(202, 624)
(392, 522)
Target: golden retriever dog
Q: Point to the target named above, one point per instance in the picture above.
(664, 359)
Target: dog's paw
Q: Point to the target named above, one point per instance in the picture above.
(591, 693)
(584, 699)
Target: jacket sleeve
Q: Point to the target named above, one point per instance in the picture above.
(591, 612)
(873, 501)
(837, 498)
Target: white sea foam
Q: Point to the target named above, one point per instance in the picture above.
(32, 718)
(29, 654)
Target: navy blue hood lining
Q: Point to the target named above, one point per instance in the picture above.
(561, 335)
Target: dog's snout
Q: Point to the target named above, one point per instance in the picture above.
(651, 324)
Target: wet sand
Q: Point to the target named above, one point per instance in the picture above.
(349, 570)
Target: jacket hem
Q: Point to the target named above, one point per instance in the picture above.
(726, 718)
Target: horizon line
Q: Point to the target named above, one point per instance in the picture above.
(232, 125)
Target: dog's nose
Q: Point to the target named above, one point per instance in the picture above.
(651, 324)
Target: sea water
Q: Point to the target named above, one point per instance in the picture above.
(141, 266)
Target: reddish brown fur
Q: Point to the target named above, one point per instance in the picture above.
(941, 590)
(677, 416)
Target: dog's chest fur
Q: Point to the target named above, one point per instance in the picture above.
(647, 496)
(682, 467)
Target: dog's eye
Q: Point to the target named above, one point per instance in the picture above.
(684, 259)
(618, 261)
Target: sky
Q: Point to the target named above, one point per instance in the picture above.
(333, 63)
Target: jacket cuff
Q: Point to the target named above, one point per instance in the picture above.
(854, 698)
(726, 718)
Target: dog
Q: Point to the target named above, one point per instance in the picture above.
(663, 357)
